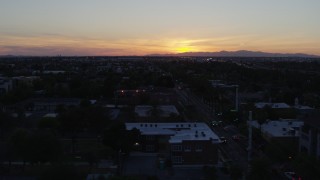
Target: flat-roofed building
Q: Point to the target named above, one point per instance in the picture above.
(183, 143)
(283, 133)
(157, 113)
(284, 128)
(261, 105)
(276, 110)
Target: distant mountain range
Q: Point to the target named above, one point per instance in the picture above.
(241, 53)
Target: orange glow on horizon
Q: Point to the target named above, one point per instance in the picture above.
(183, 49)
(65, 45)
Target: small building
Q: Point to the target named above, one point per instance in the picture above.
(157, 113)
(50, 104)
(302, 109)
(283, 133)
(50, 115)
(279, 129)
(98, 176)
(53, 72)
(182, 143)
(26, 80)
(261, 105)
(276, 110)
(251, 96)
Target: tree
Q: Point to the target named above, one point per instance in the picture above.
(85, 103)
(165, 81)
(43, 147)
(260, 169)
(155, 112)
(118, 138)
(18, 145)
(123, 178)
(76, 119)
(91, 157)
(48, 122)
(6, 122)
(19, 93)
(261, 115)
(60, 172)
(210, 172)
(307, 166)
(235, 172)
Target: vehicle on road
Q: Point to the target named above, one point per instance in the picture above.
(216, 123)
(239, 137)
(223, 139)
(231, 129)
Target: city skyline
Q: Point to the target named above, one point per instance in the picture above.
(142, 27)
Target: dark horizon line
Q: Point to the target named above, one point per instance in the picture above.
(192, 54)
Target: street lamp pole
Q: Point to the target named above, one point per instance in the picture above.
(237, 98)
(116, 98)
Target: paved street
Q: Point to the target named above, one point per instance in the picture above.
(235, 152)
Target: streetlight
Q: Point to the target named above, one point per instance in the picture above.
(237, 98)
(115, 93)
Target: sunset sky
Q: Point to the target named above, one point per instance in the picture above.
(140, 27)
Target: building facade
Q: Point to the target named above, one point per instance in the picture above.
(309, 141)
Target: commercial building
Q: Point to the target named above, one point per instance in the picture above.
(183, 143)
(284, 131)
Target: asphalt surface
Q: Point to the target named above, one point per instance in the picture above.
(234, 150)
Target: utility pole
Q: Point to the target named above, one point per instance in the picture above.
(237, 98)
(115, 93)
(250, 140)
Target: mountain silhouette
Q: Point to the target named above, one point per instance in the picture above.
(241, 53)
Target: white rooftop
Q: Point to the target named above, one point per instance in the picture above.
(178, 131)
(143, 111)
(280, 128)
(115, 106)
(165, 110)
(301, 107)
(261, 105)
(93, 101)
(26, 114)
(51, 115)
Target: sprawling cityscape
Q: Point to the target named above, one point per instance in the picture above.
(159, 117)
(159, 90)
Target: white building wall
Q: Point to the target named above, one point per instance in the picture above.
(305, 140)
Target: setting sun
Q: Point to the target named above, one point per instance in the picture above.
(185, 45)
(183, 49)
